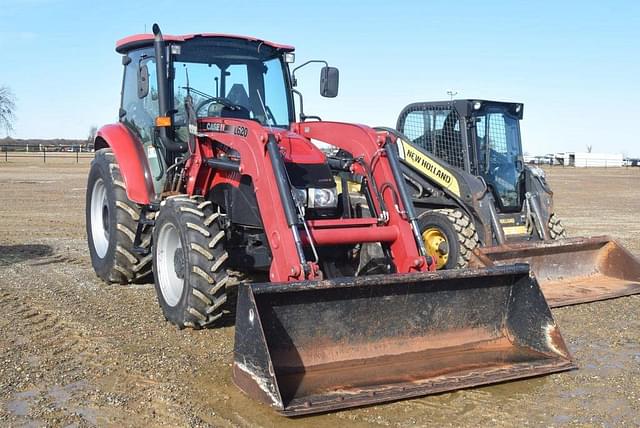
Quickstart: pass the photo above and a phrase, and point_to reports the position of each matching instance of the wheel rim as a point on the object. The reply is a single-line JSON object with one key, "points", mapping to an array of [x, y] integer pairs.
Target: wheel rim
{"points": [[437, 246], [100, 215], [170, 264]]}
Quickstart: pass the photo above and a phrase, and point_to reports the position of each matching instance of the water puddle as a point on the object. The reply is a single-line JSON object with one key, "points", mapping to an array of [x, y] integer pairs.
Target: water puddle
{"points": [[59, 396], [21, 403]]}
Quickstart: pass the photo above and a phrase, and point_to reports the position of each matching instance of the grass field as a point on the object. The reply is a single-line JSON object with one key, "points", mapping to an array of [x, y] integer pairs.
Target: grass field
{"points": [[76, 351]]}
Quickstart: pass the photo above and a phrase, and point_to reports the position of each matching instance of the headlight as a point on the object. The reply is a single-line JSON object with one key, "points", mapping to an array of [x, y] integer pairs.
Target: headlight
{"points": [[323, 198], [299, 196], [538, 172]]}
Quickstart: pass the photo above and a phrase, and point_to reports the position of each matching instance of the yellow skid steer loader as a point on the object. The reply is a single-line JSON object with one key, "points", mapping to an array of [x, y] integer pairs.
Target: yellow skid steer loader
{"points": [[479, 205]]}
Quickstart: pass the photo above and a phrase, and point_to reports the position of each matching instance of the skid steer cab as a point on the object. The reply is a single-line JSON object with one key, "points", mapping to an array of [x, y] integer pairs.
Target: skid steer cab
{"points": [[208, 170], [467, 155]]}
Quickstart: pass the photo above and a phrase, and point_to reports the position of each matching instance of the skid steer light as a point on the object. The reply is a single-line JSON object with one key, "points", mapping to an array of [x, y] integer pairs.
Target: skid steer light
{"points": [[538, 172], [477, 105]]}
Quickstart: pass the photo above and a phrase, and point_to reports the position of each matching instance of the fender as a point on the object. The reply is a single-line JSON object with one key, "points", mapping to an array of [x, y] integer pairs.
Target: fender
{"points": [[131, 159]]}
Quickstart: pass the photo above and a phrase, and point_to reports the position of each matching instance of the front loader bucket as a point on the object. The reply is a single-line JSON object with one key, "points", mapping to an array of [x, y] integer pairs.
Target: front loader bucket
{"points": [[317, 346], [572, 271]]}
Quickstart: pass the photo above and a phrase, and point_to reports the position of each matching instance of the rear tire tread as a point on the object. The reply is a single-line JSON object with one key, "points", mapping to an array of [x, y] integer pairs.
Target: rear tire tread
{"points": [[556, 229], [125, 266]]}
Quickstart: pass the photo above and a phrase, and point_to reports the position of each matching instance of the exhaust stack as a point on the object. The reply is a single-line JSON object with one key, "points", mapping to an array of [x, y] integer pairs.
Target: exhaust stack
{"points": [[163, 89]]}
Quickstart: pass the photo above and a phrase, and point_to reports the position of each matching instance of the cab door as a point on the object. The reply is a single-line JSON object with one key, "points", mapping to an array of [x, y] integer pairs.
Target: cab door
{"points": [[139, 108]]}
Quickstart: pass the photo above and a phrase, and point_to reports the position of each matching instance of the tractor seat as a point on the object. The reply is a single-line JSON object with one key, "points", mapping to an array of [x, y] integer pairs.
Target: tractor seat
{"points": [[238, 96]]}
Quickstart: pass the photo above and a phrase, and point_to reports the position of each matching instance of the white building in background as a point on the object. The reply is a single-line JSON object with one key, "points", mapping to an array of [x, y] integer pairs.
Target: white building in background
{"points": [[584, 159]]}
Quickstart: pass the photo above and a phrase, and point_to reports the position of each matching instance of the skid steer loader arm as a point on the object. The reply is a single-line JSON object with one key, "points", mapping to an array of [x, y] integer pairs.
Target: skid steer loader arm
{"points": [[318, 346]]}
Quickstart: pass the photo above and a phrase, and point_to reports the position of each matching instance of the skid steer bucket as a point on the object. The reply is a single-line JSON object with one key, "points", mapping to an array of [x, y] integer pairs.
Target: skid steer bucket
{"points": [[317, 346], [572, 271]]}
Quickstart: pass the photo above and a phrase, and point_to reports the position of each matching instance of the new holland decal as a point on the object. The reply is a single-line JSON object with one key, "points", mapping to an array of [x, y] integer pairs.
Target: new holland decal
{"points": [[428, 167]]}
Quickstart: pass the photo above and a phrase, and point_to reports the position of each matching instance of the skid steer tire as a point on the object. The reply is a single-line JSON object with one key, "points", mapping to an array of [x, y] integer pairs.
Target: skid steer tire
{"points": [[457, 229], [556, 229], [190, 262], [111, 220]]}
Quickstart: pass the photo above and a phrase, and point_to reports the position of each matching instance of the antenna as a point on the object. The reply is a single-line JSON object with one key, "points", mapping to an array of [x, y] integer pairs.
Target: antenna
{"points": [[452, 93], [186, 73]]}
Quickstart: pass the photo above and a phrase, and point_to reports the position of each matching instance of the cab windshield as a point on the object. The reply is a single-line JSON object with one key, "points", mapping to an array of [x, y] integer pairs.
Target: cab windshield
{"points": [[238, 79], [499, 149]]}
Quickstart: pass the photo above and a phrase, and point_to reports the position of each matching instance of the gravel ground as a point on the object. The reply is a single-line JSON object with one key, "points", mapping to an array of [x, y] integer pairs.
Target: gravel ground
{"points": [[76, 352]]}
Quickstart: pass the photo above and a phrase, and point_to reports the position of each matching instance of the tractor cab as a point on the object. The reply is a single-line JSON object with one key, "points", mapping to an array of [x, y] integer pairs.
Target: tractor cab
{"points": [[208, 75], [172, 83]]}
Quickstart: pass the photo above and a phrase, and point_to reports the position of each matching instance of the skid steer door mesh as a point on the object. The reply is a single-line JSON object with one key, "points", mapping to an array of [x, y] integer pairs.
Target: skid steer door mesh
{"points": [[436, 128]]}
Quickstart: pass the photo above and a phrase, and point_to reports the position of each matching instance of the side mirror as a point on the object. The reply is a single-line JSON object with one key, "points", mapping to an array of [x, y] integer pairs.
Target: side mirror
{"points": [[329, 77], [143, 81]]}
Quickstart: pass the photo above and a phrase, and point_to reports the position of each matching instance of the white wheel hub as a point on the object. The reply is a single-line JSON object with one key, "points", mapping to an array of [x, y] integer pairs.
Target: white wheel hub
{"points": [[100, 218], [170, 263]]}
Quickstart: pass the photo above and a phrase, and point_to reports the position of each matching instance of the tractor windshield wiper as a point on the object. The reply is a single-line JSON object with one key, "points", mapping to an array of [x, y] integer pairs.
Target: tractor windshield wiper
{"points": [[197, 92]]}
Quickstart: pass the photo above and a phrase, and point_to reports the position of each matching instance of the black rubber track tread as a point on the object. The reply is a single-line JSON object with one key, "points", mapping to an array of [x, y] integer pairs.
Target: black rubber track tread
{"points": [[122, 266], [204, 295], [556, 229]]}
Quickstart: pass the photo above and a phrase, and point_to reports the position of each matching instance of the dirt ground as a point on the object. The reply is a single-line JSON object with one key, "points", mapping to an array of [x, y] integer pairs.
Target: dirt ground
{"points": [[76, 352]]}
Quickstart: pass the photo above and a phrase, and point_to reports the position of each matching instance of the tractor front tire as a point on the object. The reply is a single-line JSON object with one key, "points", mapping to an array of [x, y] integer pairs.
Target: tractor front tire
{"points": [[556, 228], [190, 262], [111, 220], [450, 236]]}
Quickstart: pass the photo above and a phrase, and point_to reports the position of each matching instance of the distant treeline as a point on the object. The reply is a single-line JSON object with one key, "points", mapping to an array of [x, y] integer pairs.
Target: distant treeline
{"points": [[37, 142]]}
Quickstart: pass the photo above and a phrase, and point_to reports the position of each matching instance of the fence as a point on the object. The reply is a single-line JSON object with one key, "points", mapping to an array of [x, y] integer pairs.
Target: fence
{"points": [[67, 154]]}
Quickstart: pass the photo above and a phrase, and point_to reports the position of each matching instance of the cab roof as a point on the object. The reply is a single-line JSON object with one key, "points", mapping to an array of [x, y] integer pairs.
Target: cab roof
{"points": [[146, 39]]}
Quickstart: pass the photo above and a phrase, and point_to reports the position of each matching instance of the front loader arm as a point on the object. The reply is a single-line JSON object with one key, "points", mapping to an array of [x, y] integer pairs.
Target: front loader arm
{"points": [[363, 142], [250, 140]]}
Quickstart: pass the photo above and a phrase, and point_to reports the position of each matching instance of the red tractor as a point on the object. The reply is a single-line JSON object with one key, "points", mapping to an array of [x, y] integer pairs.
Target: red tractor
{"points": [[207, 169]]}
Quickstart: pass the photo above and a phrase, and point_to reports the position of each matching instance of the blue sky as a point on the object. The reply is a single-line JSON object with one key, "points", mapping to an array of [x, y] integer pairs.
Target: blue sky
{"points": [[575, 65]]}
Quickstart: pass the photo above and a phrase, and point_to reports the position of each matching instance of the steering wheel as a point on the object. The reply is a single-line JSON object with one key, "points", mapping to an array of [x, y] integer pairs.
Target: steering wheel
{"points": [[219, 100]]}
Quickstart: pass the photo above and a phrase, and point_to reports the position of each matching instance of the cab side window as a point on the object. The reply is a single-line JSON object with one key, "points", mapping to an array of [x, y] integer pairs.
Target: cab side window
{"points": [[140, 94]]}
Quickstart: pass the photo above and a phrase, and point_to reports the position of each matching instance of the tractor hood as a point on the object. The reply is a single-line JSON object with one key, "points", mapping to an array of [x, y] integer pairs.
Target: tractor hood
{"points": [[298, 149]]}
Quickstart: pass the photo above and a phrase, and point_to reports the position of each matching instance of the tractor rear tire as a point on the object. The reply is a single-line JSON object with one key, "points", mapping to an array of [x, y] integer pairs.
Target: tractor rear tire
{"points": [[111, 220], [556, 228], [454, 227], [190, 262]]}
